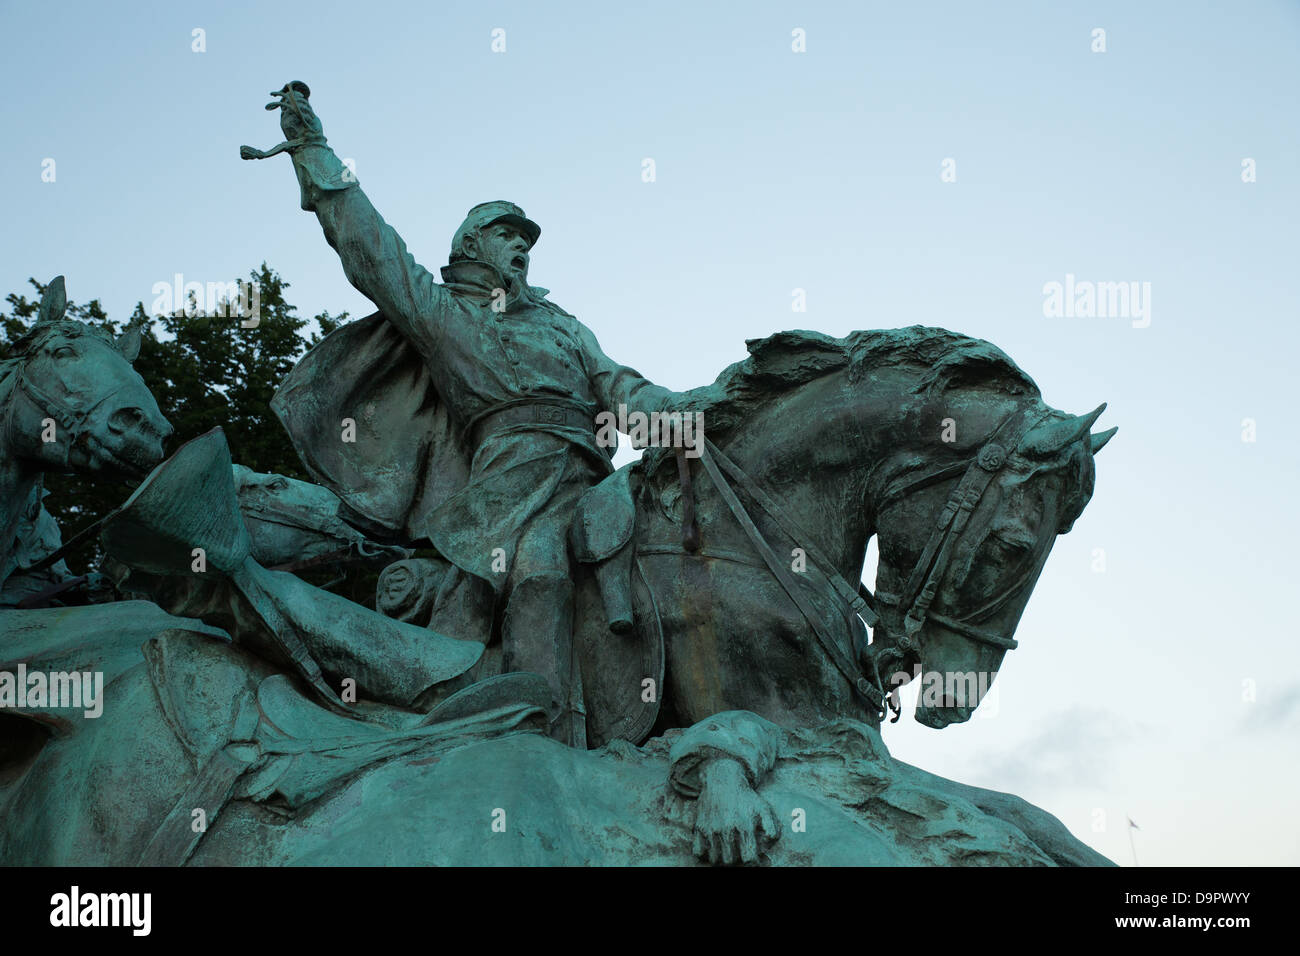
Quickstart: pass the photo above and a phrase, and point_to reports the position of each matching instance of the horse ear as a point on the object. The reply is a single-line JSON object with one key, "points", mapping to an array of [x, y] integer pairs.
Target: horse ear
{"points": [[54, 303], [1047, 440], [128, 343], [1097, 441]]}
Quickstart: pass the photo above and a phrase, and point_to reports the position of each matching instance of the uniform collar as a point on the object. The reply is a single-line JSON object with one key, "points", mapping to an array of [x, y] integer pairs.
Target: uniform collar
{"points": [[483, 277]]}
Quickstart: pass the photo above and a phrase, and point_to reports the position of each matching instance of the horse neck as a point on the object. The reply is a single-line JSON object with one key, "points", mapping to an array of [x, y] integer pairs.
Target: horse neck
{"points": [[19, 481], [20, 475], [804, 449]]}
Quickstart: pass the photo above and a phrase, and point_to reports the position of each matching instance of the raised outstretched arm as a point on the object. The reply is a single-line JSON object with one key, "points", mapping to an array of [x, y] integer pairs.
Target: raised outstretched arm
{"points": [[375, 259]]}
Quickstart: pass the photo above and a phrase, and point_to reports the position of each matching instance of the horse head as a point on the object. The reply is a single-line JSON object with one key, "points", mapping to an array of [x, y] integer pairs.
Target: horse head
{"points": [[74, 401], [935, 443], [296, 522], [963, 541]]}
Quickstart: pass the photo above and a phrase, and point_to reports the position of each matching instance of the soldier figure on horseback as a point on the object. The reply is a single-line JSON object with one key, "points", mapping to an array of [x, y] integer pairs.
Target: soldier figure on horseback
{"points": [[521, 380]]}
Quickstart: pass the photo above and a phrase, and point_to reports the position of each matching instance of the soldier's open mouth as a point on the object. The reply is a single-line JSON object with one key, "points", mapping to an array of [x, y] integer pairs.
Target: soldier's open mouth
{"points": [[519, 262]]}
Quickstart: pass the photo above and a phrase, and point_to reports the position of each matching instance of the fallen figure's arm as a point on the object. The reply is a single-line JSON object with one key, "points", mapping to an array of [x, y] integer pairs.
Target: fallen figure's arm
{"points": [[715, 770], [718, 767]]}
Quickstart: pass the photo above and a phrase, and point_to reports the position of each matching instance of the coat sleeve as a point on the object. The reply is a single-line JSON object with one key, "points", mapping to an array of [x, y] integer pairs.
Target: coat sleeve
{"points": [[616, 384], [375, 259], [752, 741]]}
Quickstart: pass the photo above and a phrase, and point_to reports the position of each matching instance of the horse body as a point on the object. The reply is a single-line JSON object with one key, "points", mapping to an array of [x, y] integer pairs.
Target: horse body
{"points": [[733, 637], [866, 436]]}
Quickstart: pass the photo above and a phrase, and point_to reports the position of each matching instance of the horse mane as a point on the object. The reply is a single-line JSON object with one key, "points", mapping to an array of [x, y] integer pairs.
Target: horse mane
{"points": [[787, 360], [8, 377], [38, 333]]}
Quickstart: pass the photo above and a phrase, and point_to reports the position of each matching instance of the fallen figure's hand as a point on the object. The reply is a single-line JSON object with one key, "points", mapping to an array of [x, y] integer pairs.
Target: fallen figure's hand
{"points": [[733, 824]]}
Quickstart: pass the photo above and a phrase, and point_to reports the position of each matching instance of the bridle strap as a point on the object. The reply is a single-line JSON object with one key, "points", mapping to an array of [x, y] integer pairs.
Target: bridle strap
{"points": [[871, 694], [964, 628], [70, 420], [916, 484], [932, 566], [927, 576], [858, 599]]}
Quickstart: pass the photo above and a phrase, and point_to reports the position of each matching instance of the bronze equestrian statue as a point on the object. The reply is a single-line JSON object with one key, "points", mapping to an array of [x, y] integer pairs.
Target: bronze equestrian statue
{"points": [[693, 624]]}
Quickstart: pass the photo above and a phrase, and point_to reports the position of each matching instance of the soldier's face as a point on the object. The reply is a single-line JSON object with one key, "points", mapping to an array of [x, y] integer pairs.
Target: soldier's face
{"points": [[503, 246]]}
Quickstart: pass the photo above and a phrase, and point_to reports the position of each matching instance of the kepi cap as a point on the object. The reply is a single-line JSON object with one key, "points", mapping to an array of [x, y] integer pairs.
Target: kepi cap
{"points": [[498, 210]]}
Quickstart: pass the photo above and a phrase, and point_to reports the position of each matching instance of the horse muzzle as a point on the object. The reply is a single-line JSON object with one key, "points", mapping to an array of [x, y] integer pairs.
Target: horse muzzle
{"points": [[129, 442], [938, 718]]}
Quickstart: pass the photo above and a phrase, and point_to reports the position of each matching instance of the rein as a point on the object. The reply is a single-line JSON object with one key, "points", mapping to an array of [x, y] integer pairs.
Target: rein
{"points": [[932, 566], [869, 690], [923, 583]]}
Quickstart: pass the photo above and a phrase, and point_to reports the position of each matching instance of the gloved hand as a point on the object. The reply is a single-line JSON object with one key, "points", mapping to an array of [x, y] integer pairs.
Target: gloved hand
{"points": [[297, 119]]}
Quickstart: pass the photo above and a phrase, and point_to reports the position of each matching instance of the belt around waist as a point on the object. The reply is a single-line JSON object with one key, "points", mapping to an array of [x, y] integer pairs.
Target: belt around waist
{"points": [[542, 413]]}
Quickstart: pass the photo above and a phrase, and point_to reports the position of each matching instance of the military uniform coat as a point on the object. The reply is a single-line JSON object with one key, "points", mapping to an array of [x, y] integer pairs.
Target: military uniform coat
{"points": [[417, 376]]}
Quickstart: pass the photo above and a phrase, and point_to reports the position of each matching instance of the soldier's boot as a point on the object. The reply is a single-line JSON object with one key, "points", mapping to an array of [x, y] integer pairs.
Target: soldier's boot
{"points": [[537, 636]]}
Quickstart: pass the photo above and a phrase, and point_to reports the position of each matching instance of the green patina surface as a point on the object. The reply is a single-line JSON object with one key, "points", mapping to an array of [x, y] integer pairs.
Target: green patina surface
{"points": [[663, 665]]}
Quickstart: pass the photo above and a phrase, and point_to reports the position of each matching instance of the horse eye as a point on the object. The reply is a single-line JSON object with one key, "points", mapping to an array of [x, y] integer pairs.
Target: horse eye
{"points": [[1017, 542], [64, 351]]}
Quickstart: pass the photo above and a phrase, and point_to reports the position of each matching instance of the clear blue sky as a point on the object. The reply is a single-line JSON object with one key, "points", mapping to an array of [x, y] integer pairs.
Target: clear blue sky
{"points": [[821, 171]]}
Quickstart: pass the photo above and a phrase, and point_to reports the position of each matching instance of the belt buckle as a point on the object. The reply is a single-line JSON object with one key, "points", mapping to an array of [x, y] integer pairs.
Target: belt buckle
{"points": [[553, 414]]}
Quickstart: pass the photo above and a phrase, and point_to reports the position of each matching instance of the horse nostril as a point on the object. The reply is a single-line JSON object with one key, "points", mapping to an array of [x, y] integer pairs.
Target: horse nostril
{"points": [[125, 418]]}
